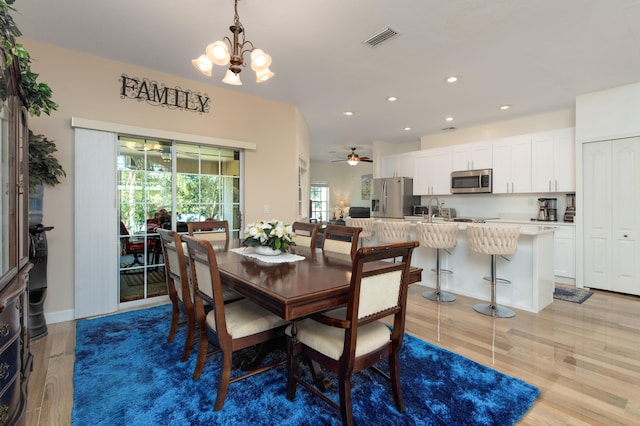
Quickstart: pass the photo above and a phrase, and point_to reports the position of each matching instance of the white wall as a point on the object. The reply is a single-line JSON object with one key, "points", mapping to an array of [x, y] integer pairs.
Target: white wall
{"points": [[343, 180]]}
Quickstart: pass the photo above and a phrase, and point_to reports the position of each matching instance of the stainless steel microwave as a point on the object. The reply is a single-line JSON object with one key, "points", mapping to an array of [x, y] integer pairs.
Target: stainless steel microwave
{"points": [[472, 181]]}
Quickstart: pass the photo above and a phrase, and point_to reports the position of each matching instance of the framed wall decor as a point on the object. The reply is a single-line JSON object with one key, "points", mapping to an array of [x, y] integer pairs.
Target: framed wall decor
{"points": [[365, 186]]}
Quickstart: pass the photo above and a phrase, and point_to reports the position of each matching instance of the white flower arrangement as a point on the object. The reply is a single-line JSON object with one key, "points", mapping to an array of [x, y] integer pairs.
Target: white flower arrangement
{"points": [[274, 234]]}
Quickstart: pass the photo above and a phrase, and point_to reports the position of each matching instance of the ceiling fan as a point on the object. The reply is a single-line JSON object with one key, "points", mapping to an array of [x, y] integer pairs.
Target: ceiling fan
{"points": [[353, 158]]}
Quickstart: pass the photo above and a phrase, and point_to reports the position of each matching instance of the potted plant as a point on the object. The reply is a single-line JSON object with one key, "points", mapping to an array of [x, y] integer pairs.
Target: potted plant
{"points": [[44, 168]]}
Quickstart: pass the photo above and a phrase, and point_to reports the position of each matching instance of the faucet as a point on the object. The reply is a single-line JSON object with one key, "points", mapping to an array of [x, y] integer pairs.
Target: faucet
{"points": [[431, 206]]}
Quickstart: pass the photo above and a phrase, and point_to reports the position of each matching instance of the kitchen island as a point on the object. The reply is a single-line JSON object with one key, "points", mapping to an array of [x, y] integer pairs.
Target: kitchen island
{"points": [[530, 269]]}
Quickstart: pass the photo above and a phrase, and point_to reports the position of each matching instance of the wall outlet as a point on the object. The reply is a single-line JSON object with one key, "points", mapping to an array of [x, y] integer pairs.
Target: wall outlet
{"points": [[265, 208]]}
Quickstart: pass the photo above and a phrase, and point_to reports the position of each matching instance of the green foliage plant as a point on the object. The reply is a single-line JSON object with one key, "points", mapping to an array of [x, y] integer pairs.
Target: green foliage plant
{"points": [[44, 168]]}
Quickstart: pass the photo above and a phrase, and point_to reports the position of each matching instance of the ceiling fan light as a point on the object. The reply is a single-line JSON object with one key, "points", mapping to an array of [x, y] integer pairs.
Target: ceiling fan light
{"points": [[232, 78], [353, 159], [203, 64], [218, 52], [353, 162], [264, 75]]}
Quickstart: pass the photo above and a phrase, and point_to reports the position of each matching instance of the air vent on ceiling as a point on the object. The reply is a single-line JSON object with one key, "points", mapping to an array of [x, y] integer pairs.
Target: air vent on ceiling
{"points": [[381, 37], [448, 129]]}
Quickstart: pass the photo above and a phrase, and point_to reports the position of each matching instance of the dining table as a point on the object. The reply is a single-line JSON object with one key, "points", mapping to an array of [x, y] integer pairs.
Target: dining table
{"points": [[290, 289], [293, 286]]}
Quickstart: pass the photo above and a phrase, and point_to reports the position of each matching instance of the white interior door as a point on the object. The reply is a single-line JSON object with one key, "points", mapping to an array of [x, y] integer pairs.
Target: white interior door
{"points": [[625, 212], [597, 214], [96, 223]]}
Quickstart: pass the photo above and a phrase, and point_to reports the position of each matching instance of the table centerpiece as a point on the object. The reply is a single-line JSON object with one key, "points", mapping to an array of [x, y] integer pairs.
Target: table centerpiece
{"points": [[269, 238]]}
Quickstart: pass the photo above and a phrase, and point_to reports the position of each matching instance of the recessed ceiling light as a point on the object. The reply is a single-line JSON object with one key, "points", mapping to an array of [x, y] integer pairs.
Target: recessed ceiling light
{"points": [[348, 113], [449, 119], [505, 106], [392, 99], [451, 79], [407, 128]]}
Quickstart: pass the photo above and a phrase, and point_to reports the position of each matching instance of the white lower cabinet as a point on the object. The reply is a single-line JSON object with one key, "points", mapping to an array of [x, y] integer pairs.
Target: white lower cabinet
{"points": [[565, 254]]}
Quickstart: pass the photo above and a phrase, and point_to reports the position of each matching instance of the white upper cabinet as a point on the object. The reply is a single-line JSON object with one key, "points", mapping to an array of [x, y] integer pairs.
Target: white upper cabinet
{"points": [[397, 165], [472, 156], [432, 172], [553, 161], [512, 165]]}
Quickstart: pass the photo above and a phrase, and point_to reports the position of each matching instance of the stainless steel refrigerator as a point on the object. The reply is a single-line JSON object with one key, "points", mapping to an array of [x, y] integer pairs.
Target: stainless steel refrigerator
{"points": [[392, 197]]}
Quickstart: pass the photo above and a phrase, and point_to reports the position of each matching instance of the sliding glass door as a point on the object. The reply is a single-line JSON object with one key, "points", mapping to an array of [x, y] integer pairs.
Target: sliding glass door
{"points": [[168, 184]]}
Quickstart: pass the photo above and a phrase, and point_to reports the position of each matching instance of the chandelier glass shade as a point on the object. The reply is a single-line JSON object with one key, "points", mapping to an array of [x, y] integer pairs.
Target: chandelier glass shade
{"points": [[227, 51]]}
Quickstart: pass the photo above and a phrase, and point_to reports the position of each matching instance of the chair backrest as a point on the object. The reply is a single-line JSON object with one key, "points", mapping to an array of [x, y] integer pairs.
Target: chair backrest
{"points": [[437, 235], [365, 223], [380, 291], [212, 230], [493, 239], [393, 232], [175, 267], [305, 235], [207, 284], [340, 241]]}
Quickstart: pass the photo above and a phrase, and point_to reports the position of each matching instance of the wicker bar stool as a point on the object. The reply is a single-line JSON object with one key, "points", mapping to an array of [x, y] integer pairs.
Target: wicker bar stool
{"points": [[393, 232], [494, 240], [366, 223], [438, 236]]}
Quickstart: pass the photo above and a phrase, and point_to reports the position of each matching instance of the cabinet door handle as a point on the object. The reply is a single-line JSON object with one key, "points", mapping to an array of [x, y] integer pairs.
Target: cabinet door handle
{"points": [[549, 186], [556, 185]]}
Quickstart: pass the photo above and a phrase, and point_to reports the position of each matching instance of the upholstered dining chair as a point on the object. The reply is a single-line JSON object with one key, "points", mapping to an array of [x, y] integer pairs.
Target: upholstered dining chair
{"points": [[366, 223], [179, 287], [351, 339], [231, 326], [305, 235], [340, 241], [212, 230]]}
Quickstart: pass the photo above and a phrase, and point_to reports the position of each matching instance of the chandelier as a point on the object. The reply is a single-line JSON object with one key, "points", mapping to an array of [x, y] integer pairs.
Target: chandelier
{"points": [[227, 51]]}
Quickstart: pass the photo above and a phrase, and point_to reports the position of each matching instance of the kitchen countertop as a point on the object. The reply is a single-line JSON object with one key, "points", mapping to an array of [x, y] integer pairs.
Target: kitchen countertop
{"points": [[531, 228]]}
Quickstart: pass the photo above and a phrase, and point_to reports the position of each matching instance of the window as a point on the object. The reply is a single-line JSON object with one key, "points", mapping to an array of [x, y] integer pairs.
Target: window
{"points": [[167, 184], [319, 210]]}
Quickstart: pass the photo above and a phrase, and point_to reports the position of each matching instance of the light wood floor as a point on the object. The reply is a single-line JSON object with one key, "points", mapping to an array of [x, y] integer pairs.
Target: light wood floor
{"points": [[584, 358]]}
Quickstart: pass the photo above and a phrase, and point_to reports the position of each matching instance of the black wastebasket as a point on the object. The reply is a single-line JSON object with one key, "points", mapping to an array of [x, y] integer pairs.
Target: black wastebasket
{"points": [[37, 288]]}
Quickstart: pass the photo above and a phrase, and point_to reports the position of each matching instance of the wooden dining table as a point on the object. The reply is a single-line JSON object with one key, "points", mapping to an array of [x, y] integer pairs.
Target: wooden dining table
{"points": [[291, 290]]}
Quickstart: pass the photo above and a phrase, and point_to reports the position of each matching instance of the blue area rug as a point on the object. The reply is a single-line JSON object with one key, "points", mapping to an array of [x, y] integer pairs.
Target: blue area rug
{"points": [[126, 374]]}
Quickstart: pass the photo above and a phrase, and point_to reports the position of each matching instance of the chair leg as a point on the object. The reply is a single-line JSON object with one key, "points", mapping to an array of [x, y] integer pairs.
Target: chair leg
{"points": [[188, 341], [394, 370], [175, 317], [202, 352], [225, 374], [345, 398]]}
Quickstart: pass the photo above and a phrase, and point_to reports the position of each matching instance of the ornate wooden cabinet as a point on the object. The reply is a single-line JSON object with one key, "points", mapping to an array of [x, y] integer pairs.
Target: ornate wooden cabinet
{"points": [[15, 356]]}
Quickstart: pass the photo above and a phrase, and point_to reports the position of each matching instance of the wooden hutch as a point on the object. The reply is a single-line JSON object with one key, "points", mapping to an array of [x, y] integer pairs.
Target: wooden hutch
{"points": [[15, 356]]}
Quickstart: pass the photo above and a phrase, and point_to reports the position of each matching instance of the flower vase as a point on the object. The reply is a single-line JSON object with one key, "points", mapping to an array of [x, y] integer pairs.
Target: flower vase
{"points": [[267, 251]]}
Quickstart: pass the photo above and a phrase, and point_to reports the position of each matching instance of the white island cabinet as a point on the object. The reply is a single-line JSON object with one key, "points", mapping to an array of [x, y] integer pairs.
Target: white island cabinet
{"points": [[530, 269]]}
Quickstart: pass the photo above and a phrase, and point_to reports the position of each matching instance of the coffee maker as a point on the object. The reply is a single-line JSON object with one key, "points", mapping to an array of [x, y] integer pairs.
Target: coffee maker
{"points": [[548, 209], [570, 212]]}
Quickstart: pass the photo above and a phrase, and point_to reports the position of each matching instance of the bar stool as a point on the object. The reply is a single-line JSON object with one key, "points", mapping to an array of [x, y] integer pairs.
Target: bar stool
{"points": [[366, 223], [494, 240], [393, 232], [438, 236]]}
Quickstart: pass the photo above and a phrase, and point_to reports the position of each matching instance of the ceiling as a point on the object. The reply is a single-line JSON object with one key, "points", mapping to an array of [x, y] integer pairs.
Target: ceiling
{"points": [[534, 55]]}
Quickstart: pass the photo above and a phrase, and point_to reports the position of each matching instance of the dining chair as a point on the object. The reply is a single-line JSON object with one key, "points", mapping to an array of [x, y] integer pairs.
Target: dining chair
{"points": [[212, 230], [340, 241], [231, 326], [305, 235], [136, 246], [351, 339], [179, 287]]}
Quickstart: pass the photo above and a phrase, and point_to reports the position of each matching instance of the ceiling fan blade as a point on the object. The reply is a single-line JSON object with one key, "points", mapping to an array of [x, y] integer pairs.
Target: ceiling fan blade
{"points": [[366, 160]]}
